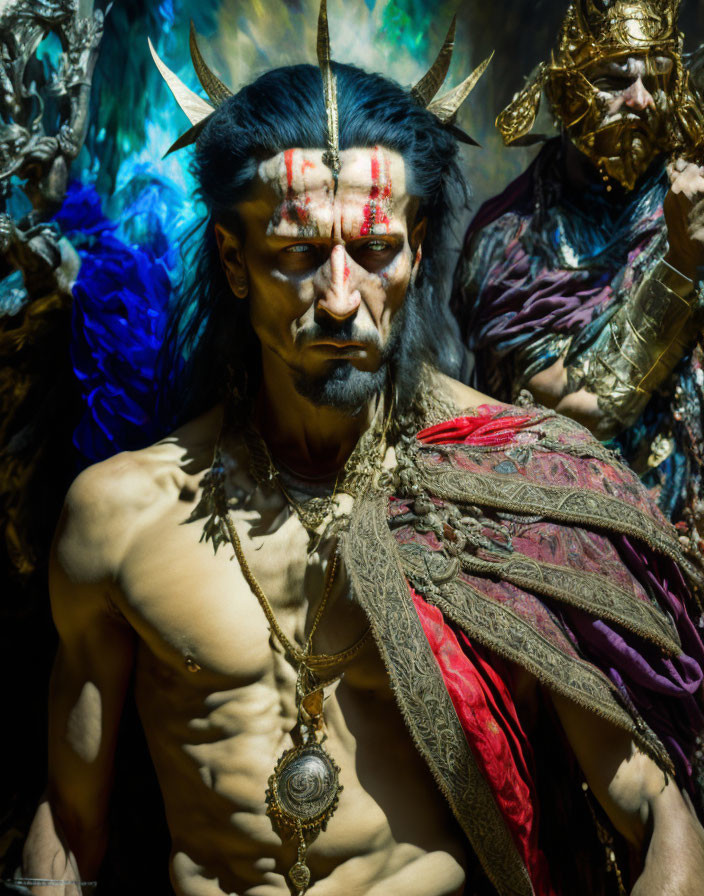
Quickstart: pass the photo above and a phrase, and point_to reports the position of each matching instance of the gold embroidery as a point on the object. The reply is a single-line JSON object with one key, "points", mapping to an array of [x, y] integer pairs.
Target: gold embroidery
{"points": [[579, 506], [378, 584], [588, 591], [500, 629]]}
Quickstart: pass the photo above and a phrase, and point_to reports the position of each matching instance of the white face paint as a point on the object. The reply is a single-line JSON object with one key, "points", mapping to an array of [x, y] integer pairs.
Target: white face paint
{"points": [[632, 87], [371, 196], [328, 269]]}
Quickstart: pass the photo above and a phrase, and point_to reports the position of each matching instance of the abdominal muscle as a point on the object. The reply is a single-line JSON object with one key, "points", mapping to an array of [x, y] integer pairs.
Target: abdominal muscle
{"points": [[214, 748]]}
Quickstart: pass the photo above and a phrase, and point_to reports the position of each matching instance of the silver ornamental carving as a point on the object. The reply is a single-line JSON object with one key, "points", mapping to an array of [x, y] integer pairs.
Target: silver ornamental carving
{"points": [[302, 796], [304, 788], [37, 265]]}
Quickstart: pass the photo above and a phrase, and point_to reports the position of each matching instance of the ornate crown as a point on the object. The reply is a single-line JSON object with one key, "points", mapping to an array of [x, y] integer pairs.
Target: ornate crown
{"points": [[444, 108], [598, 29]]}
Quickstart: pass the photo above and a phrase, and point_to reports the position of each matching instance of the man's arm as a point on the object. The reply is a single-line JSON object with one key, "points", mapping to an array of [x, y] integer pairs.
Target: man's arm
{"points": [[88, 684], [607, 387], [647, 810]]}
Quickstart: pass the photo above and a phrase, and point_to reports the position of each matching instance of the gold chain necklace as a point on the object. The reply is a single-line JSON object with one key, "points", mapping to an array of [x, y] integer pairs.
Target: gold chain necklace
{"points": [[304, 787], [354, 478]]}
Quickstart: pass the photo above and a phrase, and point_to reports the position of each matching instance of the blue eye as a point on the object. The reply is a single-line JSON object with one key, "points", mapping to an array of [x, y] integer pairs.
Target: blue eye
{"points": [[299, 247]]}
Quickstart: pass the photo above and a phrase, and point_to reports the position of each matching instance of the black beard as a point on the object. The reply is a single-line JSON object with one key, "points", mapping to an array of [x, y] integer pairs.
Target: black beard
{"points": [[350, 390], [343, 387]]}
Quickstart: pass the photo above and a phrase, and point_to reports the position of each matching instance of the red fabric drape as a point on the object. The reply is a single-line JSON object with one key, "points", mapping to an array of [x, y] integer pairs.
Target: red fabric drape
{"points": [[479, 693], [487, 713]]}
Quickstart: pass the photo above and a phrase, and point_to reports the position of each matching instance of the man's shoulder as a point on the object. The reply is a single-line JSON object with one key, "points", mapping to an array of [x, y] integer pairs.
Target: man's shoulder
{"points": [[457, 399], [108, 502], [460, 415], [135, 478], [533, 460], [123, 482], [456, 394], [508, 212], [554, 432]]}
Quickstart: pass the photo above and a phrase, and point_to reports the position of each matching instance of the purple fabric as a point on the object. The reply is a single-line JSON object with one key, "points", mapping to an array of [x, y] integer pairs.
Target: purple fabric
{"points": [[665, 577], [665, 691], [513, 299], [516, 300], [640, 670], [522, 288]]}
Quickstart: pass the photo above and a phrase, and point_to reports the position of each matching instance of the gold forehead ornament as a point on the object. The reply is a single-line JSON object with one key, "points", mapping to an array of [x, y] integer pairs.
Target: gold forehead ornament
{"points": [[198, 110]]}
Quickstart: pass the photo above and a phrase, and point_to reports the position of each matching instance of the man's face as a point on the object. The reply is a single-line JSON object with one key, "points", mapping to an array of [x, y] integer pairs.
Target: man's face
{"points": [[326, 270], [631, 89], [619, 119]]}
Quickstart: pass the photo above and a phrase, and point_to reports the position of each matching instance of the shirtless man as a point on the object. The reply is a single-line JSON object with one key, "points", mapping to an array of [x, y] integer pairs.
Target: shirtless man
{"points": [[332, 271]]}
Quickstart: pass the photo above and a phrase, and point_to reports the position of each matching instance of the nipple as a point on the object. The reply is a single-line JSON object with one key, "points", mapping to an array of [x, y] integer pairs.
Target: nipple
{"points": [[191, 664]]}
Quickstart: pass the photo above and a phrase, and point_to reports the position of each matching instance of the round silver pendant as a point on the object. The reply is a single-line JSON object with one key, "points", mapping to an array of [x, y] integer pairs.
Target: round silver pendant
{"points": [[304, 788]]}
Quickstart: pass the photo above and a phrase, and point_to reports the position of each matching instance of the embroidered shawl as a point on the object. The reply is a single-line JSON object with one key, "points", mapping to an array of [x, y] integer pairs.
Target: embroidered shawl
{"points": [[515, 536]]}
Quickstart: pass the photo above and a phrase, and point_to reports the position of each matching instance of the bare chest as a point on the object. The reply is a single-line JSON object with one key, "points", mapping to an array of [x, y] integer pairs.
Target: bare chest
{"points": [[195, 609], [217, 699]]}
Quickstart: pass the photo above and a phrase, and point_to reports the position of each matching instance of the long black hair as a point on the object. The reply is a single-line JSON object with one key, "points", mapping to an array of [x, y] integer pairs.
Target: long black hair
{"points": [[210, 341]]}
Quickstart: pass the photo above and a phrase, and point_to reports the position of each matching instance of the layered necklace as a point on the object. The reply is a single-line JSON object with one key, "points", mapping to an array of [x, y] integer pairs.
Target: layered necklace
{"points": [[304, 788], [360, 471]]}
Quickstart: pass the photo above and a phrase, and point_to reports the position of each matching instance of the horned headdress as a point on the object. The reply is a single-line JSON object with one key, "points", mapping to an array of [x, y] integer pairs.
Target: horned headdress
{"points": [[444, 107]]}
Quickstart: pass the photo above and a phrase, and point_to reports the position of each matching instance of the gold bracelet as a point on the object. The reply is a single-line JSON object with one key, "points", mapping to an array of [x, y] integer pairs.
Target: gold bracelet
{"points": [[639, 347]]}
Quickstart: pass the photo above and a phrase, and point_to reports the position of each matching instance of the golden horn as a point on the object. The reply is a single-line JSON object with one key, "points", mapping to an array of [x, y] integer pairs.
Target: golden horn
{"points": [[445, 107], [425, 89], [211, 84], [323, 40], [331, 156], [196, 109]]}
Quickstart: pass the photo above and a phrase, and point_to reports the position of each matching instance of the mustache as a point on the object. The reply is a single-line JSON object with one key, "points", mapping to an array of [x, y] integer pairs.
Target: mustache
{"points": [[647, 118], [346, 330]]}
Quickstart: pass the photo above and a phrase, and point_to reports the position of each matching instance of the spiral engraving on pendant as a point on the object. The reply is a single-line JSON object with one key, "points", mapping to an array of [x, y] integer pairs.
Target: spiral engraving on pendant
{"points": [[307, 785]]}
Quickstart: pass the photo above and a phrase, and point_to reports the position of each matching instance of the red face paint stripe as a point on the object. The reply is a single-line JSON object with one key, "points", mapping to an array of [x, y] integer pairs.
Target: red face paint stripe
{"points": [[379, 196], [288, 161], [295, 208]]}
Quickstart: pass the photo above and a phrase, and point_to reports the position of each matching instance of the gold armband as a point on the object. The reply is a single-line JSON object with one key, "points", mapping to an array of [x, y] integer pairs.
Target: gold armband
{"points": [[673, 280], [639, 347]]}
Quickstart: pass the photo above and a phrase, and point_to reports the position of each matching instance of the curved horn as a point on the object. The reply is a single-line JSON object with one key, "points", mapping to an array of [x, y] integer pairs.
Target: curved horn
{"points": [[196, 109], [425, 89], [187, 138], [445, 107], [211, 84]]}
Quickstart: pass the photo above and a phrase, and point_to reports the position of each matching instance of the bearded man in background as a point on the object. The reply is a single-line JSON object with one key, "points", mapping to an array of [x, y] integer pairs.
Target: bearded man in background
{"points": [[581, 282], [443, 629]]}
